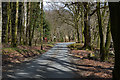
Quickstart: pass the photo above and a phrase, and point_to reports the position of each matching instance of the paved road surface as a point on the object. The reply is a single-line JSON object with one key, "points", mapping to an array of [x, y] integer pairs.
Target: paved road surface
{"points": [[53, 64]]}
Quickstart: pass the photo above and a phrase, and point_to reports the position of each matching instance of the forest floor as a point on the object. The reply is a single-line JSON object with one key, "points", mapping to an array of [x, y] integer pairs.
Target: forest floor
{"points": [[14, 56], [91, 68]]}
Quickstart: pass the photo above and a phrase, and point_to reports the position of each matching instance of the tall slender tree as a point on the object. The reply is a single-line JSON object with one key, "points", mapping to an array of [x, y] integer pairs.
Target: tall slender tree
{"points": [[21, 22], [102, 46], [28, 21], [8, 19], [10, 23], [30, 24], [4, 20], [25, 22], [14, 28], [41, 25]]}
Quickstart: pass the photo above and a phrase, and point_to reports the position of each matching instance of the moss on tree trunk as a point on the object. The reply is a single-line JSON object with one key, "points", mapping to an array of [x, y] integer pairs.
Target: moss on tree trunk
{"points": [[87, 33], [108, 40], [102, 44], [14, 28], [8, 19]]}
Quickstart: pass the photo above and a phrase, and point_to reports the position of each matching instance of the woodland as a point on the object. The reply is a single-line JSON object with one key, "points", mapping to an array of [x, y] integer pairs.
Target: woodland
{"points": [[32, 28]]}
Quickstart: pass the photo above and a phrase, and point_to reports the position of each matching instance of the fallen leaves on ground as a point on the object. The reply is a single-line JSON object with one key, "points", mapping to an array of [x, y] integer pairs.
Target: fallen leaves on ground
{"points": [[21, 53], [91, 68], [14, 56]]}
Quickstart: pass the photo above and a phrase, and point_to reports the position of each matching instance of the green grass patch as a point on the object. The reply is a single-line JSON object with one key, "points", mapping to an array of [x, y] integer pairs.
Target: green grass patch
{"points": [[10, 48]]}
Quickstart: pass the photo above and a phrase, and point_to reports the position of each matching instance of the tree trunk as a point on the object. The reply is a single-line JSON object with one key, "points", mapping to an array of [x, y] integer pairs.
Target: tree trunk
{"points": [[32, 34], [1, 36], [4, 18], [83, 34], [25, 21], [21, 24], [87, 33], [115, 30], [82, 24], [8, 19], [10, 25], [14, 29], [98, 41], [102, 45], [41, 25], [108, 40], [0, 27], [28, 21], [30, 25], [78, 34]]}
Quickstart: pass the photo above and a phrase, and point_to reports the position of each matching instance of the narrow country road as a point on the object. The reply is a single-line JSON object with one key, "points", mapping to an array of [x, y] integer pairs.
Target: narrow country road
{"points": [[53, 64]]}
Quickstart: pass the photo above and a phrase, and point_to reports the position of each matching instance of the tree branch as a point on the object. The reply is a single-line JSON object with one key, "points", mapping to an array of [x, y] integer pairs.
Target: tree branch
{"points": [[98, 9]]}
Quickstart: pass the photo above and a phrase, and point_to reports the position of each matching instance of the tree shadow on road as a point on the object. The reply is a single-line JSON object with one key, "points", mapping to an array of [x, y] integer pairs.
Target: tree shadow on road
{"points": [[37, 70]]}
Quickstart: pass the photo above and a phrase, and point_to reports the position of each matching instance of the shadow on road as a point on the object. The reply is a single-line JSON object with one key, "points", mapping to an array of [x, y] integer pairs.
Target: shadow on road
{"points": [[37, 68]]}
